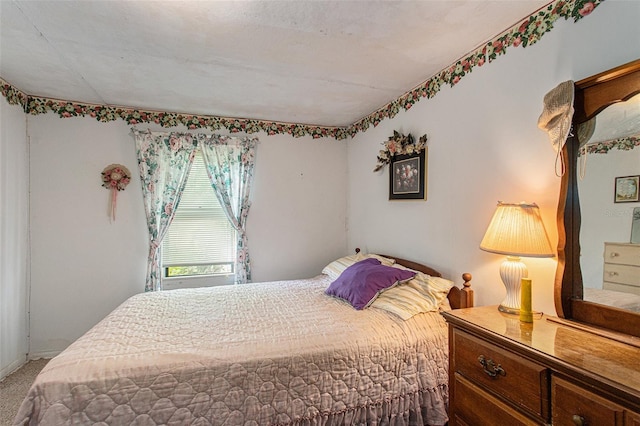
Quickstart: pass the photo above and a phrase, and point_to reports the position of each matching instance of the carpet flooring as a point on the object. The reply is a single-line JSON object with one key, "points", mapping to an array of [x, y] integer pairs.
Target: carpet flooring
{"points": [[14, 388]]}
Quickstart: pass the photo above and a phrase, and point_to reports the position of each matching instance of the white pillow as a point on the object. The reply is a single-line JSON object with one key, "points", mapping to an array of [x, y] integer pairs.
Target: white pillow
{"points": [[423, 293], [335, 268]]}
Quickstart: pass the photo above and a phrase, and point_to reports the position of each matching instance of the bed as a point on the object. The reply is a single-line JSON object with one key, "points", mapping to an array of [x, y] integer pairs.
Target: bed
{"points": [[616, 299], [279, 353]]}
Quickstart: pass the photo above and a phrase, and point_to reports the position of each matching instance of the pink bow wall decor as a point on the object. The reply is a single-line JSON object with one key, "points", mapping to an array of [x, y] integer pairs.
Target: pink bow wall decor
{"points": [[115, 177]]}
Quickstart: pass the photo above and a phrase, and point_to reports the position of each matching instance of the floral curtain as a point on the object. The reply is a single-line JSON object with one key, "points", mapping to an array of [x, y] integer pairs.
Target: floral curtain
{"points": [[230, 163], [164, 161]]}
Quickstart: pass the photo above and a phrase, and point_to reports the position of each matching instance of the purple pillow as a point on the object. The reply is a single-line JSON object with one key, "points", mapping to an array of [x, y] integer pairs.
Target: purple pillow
{"points": [[362, 282]]}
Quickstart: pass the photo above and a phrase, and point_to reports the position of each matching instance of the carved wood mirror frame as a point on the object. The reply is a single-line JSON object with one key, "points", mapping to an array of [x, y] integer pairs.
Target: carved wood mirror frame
{"points": [[592, 95]]}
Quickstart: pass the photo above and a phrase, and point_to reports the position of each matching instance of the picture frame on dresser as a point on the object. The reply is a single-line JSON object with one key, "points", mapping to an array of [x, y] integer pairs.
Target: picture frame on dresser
{"points": [[635, 226], [408, 176]]}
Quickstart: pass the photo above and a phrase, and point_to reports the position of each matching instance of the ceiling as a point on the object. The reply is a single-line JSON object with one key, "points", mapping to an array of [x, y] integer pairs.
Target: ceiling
{"points": [[617, 121], [326, 63]]}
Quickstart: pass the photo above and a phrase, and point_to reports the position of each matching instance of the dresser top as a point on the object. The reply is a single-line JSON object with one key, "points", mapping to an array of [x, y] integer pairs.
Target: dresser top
{"points": [[563, 347], [608, 243]]}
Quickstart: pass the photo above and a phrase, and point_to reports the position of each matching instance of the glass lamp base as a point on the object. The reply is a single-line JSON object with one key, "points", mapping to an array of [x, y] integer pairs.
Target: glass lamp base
{"points": [[512, 311], [508, 310]]}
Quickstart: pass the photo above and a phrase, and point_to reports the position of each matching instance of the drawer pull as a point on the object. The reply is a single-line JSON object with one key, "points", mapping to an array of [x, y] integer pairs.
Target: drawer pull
{"points": [[490, 367], [613, 274], [578, 420], [614, 254]]}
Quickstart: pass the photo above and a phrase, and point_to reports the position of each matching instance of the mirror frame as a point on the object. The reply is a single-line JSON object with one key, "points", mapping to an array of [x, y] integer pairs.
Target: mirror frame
{"points": [[592, 95]]}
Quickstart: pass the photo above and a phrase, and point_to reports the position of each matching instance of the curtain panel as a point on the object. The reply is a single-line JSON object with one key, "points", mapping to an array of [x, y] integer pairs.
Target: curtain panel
{"points": [[230, 163], [164, 162]]}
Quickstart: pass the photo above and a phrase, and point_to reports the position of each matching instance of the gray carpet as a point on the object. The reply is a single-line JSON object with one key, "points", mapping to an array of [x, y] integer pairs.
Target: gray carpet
{"points": [[14, 388]]}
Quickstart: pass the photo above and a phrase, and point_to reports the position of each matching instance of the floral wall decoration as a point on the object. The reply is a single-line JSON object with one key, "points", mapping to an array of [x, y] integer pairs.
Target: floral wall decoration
{"points": [[525, 33], [623, 144], [115, 177], [399, 144]]}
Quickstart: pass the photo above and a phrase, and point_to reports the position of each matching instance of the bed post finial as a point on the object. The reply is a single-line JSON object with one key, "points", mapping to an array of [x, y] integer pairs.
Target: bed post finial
{"points": [[466, 278], [466, 290]]}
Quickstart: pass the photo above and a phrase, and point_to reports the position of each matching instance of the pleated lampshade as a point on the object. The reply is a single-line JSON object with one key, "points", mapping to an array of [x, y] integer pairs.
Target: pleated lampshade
{"points": [[517, 230]]}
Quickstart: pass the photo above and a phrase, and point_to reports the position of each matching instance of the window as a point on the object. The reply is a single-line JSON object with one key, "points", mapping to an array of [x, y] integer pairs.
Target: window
{"points": [[200, 240]]}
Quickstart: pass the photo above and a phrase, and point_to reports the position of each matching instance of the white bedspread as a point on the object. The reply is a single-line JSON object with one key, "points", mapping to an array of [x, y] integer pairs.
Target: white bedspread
{"points": [[255, 354], [617, 299]]}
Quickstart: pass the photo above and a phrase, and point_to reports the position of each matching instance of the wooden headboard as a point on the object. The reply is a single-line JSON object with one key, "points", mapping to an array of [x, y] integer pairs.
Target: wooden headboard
{"points": [[459, 298]]}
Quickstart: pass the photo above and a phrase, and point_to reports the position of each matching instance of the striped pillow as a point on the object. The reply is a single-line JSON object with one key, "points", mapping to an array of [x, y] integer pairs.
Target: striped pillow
{"points": [[423, 293], [337, 267]]}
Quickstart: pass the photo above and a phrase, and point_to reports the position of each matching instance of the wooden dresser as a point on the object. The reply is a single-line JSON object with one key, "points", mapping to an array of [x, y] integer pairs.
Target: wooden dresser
{"points": [[504, 372], [622, 267]]}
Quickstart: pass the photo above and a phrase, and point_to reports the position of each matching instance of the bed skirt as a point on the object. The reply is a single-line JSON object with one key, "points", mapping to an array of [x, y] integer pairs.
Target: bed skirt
{"points": [[399, 411]]}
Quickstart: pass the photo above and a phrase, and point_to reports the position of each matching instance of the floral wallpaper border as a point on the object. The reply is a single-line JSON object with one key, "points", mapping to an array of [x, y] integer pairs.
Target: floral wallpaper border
{"points": [[526, 33], [622, 144], [105, 113]]}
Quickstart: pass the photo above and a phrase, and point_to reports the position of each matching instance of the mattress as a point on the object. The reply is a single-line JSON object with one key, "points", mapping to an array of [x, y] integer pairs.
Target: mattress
{"points": [[279, 353]]}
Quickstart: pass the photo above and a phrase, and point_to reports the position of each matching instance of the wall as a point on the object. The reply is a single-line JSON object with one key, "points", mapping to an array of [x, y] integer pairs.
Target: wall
{"points": [[484, 146], [14, 237], [83, 266], [602, 219]]}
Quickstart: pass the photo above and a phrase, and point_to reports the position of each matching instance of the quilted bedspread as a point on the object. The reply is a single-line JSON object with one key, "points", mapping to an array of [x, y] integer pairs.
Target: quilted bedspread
{"points": [[280, 353]]}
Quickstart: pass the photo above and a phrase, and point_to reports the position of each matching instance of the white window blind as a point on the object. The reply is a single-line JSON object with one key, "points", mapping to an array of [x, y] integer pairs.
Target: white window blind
{"points": [[200, 233]]}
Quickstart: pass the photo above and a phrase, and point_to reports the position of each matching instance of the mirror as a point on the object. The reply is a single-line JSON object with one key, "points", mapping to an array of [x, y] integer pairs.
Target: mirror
{"points": [[609, 154], [587, 217]]}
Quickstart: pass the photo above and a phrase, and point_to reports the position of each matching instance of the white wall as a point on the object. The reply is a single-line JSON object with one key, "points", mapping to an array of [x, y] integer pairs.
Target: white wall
{"points": [[83, 266], [602, 219], [484, 146], [14, 237], [297, 222]]}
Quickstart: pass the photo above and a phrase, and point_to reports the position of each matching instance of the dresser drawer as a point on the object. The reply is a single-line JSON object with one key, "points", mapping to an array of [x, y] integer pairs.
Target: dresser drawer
{"points": [[573, 405], [476, 407], [522, 382], [622, 274], [623, 254]]}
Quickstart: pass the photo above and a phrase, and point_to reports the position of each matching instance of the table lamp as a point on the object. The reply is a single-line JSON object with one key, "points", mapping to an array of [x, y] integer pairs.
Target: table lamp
{"points": [[516, 230]]}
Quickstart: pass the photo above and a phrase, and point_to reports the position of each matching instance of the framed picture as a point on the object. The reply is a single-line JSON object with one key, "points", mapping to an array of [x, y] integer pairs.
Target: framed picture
{"points": [[627, 189], [635, 226], [408, 177]]}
